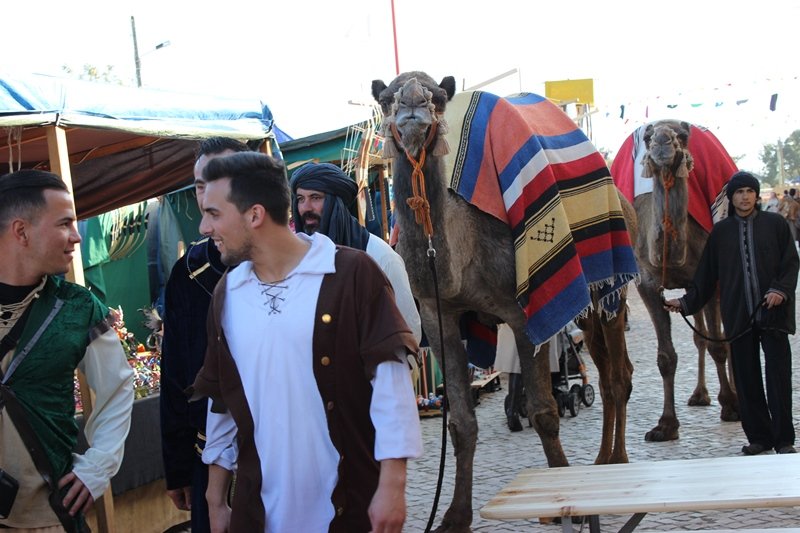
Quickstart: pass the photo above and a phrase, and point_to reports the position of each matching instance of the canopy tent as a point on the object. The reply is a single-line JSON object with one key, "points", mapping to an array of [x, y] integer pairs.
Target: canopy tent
{"points": [[121, 145], [115, 146]]}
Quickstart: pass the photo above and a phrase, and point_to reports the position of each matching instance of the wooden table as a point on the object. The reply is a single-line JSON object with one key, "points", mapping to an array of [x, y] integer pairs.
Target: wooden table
{"points": [[639, 488]]}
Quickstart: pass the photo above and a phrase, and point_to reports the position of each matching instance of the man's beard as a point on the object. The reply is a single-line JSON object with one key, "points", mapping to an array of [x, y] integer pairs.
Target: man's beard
{"points": [[234, 257], [315, 220]]}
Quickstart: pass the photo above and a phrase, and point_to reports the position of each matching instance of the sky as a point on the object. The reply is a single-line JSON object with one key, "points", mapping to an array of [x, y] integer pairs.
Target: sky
{"points": [[712, 63]]}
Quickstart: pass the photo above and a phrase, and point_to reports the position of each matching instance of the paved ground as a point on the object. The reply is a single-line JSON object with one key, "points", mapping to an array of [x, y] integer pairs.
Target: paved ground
{"points": [[501, 454]]}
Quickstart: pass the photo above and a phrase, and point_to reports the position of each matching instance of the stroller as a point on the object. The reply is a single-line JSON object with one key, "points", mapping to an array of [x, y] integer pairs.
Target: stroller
{"points": [[568, 346]]}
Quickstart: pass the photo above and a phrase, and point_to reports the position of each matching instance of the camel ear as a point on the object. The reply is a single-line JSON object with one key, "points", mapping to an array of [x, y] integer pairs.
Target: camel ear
{"points": [[684, 133], [648, 135], [377, 88], [449, 86]]}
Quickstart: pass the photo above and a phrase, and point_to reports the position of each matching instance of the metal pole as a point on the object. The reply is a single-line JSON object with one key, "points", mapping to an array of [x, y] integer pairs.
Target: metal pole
{"points": [[136, 59], [394, 33]]}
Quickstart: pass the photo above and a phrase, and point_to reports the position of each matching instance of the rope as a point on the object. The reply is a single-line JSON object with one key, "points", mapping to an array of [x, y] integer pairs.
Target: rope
{"points": [[669, 227], [419, 201]]}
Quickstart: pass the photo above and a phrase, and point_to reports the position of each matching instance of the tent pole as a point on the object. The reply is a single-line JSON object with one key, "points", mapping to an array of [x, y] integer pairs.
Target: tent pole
{"points": [[59, 164]]}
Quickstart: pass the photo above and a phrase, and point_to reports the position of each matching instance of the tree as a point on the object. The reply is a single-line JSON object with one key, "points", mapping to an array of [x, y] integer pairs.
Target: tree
{"points": [[787, 152], [92, 73]]}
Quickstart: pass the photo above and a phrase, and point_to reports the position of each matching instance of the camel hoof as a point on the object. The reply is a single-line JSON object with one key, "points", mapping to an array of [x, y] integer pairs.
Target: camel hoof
{"points": [[728, 414], [700, 397], [658, 434]]}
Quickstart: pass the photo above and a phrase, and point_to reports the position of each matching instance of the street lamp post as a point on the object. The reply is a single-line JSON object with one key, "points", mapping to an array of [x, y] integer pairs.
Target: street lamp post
{"points": [[136, 57]]}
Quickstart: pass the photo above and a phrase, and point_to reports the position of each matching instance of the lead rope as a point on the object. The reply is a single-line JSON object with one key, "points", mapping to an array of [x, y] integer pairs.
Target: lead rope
{"points": [[422, 215]]}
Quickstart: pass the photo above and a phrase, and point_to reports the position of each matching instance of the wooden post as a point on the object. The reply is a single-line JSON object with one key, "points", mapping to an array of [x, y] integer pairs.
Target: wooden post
{"points": [[59, 164], [384, 204]]}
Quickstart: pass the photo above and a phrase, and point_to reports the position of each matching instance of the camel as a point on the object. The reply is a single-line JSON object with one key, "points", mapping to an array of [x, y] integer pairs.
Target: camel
{"points": [[671, 265], [474, 262]]}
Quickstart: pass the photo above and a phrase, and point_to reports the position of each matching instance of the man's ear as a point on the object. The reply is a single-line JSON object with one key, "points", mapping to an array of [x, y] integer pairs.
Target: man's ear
{"points": [[19, 228], [256, 215]]}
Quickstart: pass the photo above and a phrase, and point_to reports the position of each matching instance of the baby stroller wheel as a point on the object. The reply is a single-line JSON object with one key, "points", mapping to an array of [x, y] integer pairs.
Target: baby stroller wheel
{"points": [[561, 400], [574, 404], [576, 390], [587, 395]]}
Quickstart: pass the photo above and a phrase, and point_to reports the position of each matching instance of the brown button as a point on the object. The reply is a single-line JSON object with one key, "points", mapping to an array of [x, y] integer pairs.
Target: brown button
{"points": [[326, 318], [329, 405], [339, 511], [325, 360]]}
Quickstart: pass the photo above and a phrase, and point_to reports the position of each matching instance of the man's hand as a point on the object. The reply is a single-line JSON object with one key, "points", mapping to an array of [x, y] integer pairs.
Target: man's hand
{"points": [[674, 305], [219, 517], [182, 498], [773, 299], [78, 498], [387, 511]]}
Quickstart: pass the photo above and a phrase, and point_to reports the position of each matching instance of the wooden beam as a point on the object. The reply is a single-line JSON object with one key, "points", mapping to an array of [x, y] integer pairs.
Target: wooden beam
{"points": [[59, 164]]}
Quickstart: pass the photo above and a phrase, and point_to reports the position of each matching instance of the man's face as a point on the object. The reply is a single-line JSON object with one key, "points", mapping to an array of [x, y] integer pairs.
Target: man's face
{"points": [[744, 201], [309, 208], [199, 182], [53, 236], [224, 224]]}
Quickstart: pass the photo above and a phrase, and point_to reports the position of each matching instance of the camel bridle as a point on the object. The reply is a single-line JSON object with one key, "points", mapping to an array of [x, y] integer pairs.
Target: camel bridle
{"points": [[668, 226], [419, 201]]}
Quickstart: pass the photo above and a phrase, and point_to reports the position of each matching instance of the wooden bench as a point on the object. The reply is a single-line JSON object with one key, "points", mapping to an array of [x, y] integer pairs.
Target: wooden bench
{"points": [[636, 489]]}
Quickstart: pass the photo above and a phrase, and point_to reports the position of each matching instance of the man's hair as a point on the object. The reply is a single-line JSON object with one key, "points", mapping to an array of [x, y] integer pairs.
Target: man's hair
{"points": [[22, 194], [255, 178], [217, 145]]}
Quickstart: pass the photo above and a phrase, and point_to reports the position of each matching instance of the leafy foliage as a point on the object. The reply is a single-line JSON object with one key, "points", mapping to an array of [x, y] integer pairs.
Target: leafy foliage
{"points": [[786, 154]]}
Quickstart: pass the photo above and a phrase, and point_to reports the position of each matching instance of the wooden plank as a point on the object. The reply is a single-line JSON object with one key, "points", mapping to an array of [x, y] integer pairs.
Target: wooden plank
{"points": [[663, 486], [480, 383]]}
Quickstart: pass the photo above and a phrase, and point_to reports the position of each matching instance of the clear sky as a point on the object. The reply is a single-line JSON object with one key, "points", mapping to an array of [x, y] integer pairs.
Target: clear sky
{"points": [[714, 63]]}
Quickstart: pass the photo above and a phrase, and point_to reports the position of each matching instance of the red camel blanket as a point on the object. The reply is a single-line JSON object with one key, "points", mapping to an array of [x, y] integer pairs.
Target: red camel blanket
{"points": [[713, 167], [524, 161]]}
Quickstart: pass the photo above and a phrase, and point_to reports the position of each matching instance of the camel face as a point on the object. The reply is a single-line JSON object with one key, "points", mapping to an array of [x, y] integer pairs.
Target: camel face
{"points": [[412, 102], [663, 145]]}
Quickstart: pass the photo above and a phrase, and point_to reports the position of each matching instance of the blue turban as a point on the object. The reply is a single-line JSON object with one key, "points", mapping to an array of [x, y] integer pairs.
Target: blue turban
{"points": [[340, 192]]}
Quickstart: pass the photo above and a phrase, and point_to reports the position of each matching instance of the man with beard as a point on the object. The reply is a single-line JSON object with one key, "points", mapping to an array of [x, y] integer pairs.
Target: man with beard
{"points": [[322, 193], [306, 366]]}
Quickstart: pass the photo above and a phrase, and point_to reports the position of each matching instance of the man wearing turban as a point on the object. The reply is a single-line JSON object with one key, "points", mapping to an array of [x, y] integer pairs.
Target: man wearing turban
{"points": [[752, 256], [321, 195]]}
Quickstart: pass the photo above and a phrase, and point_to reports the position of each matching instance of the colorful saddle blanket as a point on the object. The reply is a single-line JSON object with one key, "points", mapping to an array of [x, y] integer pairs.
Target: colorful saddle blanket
{"points": [[524, 161]]}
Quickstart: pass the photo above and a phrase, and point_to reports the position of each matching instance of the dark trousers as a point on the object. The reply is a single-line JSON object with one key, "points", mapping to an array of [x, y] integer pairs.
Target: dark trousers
{"points": [[199, 504], [766, 420]]}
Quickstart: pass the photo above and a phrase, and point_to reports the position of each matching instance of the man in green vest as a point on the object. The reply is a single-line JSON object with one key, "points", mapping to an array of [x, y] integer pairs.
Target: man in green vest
{"points": [[48, 328]]}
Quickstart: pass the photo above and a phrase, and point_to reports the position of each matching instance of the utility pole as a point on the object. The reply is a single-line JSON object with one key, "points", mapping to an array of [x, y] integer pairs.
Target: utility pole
{"points": [[780, 164], [136, 58]]}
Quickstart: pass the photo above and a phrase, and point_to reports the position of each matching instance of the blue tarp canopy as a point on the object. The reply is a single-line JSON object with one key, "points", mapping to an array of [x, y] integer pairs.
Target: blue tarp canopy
{"points": [[124, 144]]}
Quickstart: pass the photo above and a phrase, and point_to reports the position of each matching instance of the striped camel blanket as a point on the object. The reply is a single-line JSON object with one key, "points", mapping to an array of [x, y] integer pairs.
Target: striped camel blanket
{"points": [[524, 161]]}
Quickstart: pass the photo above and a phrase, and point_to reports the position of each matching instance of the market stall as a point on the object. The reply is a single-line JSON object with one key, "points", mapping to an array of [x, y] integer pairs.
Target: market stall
{"points": [[115, 146]]}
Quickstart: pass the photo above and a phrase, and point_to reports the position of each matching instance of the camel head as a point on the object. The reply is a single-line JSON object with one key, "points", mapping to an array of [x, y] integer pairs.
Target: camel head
{"points": [[412, 104], [667, 152], [668, 162]]}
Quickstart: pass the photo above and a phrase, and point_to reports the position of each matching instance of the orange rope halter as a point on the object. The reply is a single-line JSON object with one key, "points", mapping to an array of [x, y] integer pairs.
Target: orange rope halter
{"points": [[669, 227], [419, 201]]}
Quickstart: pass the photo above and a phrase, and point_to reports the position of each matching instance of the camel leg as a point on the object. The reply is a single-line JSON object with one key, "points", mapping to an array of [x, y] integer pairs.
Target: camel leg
{"points": [[667, 359], [607, 346], [542, 408], [700, 394], [462, 424], [728, 401]]}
